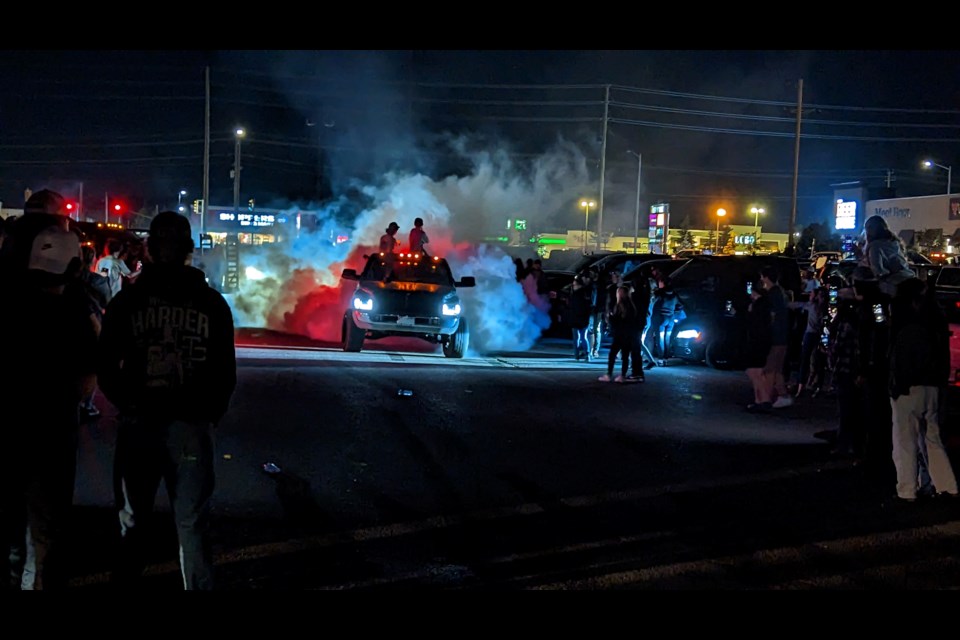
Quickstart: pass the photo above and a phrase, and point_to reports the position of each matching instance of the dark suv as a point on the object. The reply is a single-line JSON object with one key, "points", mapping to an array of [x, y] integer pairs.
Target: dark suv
{"points": [[714, 292], [410, 295]]}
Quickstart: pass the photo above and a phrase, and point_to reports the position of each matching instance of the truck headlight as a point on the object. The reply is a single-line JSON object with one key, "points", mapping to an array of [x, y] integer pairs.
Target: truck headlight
{"points": [[363, 303], [451, 306]]}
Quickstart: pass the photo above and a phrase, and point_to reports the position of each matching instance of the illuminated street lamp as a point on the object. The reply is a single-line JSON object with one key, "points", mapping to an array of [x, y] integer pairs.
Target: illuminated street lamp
{"points": [[586, 204], [720, 214], [239, 133], [180, 195], [930, 163], [756, 218]]}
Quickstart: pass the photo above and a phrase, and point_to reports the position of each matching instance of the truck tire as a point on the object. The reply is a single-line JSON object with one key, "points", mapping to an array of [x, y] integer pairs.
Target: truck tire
{"points": [[456, 345], [716, 356], [352, 335]]}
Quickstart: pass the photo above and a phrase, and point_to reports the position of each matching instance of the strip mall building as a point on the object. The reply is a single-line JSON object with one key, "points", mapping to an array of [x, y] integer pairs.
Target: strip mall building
{"points": [[906, 217]]}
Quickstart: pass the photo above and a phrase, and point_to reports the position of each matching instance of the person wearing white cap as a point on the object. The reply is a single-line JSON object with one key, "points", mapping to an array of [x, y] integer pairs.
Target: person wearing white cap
{"points": [[50, 346], [388, 241]]}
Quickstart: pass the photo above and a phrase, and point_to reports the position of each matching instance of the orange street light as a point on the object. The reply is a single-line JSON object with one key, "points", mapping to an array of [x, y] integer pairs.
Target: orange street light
{"points": [[720, 214]]}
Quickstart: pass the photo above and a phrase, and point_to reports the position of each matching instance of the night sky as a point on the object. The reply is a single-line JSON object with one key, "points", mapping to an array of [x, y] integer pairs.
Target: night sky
{"points": [[714, 128]]}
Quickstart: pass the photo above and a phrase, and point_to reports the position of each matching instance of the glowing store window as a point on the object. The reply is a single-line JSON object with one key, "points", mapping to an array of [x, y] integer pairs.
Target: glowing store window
{"points": [[846, 215]]}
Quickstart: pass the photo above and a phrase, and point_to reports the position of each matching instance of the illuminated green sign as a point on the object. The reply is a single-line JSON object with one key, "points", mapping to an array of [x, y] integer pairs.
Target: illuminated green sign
{"points": [[549, 240]]}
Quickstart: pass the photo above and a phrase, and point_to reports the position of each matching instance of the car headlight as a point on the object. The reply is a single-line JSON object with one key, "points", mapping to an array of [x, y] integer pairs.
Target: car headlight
{"points": [[363, 303], [688, 334], [451, 306]]}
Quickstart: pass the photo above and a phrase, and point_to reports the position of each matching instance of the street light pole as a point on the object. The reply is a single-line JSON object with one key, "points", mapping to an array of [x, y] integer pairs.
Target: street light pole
{"points": [[636, 215], [180, 195], [586, 204], [720, 214], [930, 163], [756, 222], [238, 133]]}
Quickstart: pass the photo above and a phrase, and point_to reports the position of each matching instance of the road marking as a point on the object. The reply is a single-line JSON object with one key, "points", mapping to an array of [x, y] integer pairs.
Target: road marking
{"points": [[699, 570], [400, 529]]}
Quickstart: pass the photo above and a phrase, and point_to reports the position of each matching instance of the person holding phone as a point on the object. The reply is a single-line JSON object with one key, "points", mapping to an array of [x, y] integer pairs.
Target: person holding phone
{"points": [[816, 310]]}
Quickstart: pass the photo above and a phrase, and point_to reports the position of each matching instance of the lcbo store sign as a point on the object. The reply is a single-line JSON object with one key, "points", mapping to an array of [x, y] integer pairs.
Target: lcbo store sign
{"points": [[249, 219]]}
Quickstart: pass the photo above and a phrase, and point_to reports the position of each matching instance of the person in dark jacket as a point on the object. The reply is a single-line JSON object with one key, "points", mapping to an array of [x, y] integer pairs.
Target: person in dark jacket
{"points": [[756, 348], [167, 361], [582, 301], [49, 353], [919, 369], [640, 292], [661, 318], [624, 319], [849, 374]]}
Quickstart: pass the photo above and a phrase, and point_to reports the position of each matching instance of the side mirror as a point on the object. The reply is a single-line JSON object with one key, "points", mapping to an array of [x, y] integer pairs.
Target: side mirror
{"points": [[467, 281], [349, 274]]}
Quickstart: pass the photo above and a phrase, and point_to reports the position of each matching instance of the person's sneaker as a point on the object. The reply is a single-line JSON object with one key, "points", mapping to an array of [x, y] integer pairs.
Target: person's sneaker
{"points": [[604, 378], [636, 378], [90, 412], [618, 379], [782, 402], [759, 407]]}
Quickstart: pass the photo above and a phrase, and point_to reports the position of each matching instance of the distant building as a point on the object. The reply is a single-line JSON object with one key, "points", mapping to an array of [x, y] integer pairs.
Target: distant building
{"points": [[741, 239], [936, 218]]}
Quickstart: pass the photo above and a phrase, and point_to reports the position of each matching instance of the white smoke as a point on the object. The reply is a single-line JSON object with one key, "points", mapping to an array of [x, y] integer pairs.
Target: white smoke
{"points": [[298, 285]]}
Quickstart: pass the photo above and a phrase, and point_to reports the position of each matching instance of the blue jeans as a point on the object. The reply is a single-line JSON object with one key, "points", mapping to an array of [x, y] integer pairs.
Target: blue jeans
{"points": [[580, 344], [181, 454], [807, 348]]}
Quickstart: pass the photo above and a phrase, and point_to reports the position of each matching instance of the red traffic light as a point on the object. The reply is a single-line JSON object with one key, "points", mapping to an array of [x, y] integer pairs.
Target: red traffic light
{"points": [[116, 207]]}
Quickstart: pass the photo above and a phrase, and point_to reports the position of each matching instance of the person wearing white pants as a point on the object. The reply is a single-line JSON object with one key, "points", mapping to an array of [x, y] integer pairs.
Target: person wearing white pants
{"points": [[916, 440], [919, 368]]}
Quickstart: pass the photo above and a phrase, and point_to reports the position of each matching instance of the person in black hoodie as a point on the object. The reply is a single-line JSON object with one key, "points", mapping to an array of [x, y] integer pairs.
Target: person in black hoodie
{"points": [[167, 361]]}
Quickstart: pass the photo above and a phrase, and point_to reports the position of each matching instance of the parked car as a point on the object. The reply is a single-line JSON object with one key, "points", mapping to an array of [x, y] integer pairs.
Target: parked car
{"points": [[622, 262], [826, 269], [570, 260], [947, 292], [714, 292]]}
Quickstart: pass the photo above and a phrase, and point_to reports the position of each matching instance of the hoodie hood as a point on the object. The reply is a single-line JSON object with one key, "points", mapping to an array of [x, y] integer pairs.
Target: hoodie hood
{"points": [[159, 275]]}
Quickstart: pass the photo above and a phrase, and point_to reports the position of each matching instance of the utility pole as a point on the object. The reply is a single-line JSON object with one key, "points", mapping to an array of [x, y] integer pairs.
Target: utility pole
{"points": [[106, 207], [796, 163], [80, 202], [603, 166], [206, 160], [890, 178]]}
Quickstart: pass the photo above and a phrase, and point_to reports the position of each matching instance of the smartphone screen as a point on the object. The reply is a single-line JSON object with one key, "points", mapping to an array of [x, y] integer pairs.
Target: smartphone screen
{"points": [[833, 295], [878, 315], [749, 288]]}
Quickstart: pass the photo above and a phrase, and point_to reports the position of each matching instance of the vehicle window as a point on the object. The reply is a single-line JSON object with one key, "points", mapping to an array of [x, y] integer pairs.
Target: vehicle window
{"points": [[949, 278], [696, 274]]}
